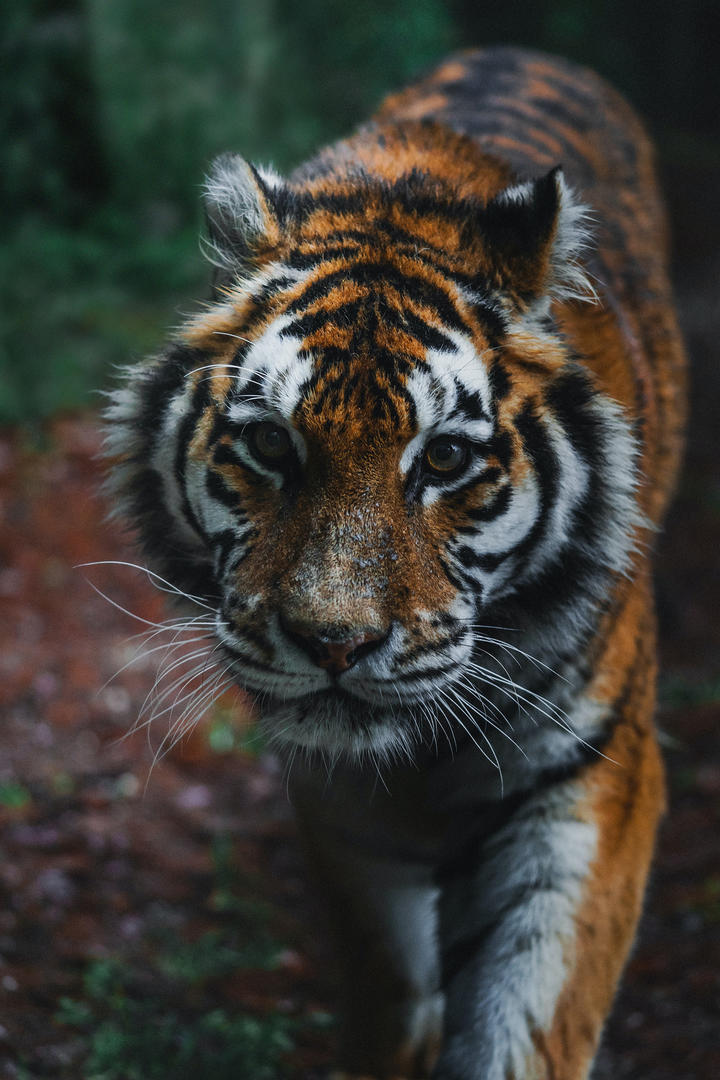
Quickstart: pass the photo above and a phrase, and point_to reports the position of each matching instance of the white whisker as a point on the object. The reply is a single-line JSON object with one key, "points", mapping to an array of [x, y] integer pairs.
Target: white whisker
{"points": [[144, 654], [154, 579]]}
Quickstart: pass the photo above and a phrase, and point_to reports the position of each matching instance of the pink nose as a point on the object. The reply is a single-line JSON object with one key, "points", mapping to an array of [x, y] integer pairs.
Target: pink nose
{"points": [[329, 653]]}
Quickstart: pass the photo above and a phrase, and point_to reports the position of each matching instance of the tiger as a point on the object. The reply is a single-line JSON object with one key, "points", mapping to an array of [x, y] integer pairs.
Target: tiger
{"points": [[413, 455]]}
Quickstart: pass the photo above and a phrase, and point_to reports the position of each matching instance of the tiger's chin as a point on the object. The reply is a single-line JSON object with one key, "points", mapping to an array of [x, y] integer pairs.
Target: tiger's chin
{"points": [[337, 724]]}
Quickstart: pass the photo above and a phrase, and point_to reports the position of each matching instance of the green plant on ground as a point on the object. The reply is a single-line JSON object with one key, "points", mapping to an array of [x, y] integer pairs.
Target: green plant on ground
{"points": [[153, 1015], [14, 796], [132, 1034]]}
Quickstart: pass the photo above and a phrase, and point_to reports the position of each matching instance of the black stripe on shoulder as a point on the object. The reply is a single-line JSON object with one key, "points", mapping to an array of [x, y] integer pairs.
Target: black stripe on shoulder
{"points": [[494, 814]]}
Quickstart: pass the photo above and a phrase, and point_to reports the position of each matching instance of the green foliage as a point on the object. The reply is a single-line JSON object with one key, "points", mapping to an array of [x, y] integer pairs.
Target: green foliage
{"points": [[326, 69], [52, 160], [224, 736], [678, 693], [78, 302], [154, 1016], [14, 796], [212, 955], [132, 1038], [234, 893]]}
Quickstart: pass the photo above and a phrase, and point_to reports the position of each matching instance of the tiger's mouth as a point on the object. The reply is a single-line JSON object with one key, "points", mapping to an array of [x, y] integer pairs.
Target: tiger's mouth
{"points": [[379, 707], [333, 721], [343, 705]]}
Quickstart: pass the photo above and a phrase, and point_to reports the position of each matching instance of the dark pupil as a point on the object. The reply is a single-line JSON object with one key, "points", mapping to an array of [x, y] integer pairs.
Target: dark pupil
{"points": [[445, 454], [271, 441]]}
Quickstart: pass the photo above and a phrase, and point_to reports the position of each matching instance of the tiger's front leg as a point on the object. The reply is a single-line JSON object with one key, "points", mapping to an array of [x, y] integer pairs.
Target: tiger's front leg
{"points": [[377, 888], [535, 929]]}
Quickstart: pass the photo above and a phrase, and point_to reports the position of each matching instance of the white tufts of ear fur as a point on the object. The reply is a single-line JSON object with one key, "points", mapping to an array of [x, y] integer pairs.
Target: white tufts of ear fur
{"points": [[567, 278], [573, 236], [239, 214]]}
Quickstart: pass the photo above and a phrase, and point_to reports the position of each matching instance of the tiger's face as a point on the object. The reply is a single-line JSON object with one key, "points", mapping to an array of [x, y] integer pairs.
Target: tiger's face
{"points": [[375, 445]]}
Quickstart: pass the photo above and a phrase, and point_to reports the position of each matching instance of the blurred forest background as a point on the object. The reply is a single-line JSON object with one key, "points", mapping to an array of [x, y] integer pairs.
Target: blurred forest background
{"points": [[166, 931], [112, 109]]}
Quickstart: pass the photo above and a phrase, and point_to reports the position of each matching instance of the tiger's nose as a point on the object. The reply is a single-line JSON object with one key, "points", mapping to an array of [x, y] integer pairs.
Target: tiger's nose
{"points": [[333, 653]]}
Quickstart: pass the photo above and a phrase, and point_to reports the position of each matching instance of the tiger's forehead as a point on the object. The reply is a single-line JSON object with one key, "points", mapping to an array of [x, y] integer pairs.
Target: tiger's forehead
{"points": [[363, 361]]}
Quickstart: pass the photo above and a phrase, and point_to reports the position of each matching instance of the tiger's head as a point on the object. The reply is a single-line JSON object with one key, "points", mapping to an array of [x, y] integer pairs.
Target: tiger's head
{"points": [[375, 443]]}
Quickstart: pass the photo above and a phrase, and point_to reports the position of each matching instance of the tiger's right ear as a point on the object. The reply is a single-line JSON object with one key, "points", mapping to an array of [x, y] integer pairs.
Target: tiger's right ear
{"points": [[243, 224]]}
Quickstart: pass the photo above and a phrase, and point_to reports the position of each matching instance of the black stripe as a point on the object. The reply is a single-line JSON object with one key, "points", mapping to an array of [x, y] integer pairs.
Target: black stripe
{"points": [[374, 274], [415, 192], [540, 451], [488, 562], [177, 561], [495, 814], [250, 391], [497, 505], [226, 545], [220, 491], [564, 112], [428, 647], [429, 336], [256, 638], [499, 380], [159, 387], [466, 118], [542, 456], [419, 676], [246, 661], [501, 445], [464, 953], [371, 315], [469, 403], [186, 430], [569, 397], [225, 454], [337, 246], [462, 582], [487, 476]]}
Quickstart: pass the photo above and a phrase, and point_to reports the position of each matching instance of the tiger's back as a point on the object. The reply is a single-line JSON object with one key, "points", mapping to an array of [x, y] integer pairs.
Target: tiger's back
{"points": [[412, 454]]}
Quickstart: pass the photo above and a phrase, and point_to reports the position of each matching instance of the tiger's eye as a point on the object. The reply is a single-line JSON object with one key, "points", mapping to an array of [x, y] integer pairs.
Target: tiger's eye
{"points": [[445, 455], [271, 442]]}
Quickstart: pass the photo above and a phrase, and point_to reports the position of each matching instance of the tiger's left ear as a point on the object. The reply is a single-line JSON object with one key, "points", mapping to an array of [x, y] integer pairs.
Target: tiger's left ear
{"points": [[535, 233], [242, 217]]}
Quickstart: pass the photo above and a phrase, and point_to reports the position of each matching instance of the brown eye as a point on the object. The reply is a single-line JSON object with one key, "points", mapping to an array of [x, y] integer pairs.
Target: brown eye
{"points": [[271, 442], [445, 455]]}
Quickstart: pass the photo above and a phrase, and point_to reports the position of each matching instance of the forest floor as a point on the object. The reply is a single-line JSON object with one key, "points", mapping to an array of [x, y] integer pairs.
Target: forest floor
{"points": [[155, 919]]}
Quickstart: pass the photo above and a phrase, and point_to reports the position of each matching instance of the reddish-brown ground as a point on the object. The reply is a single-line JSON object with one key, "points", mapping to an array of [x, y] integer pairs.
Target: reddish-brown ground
{"points": [[91, 858]]}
